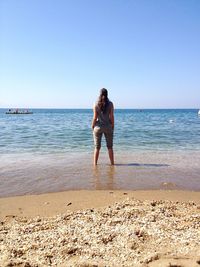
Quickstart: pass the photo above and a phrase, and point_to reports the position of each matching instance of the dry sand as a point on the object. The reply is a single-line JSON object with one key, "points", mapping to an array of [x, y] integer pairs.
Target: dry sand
{"points": [[101, 228]]}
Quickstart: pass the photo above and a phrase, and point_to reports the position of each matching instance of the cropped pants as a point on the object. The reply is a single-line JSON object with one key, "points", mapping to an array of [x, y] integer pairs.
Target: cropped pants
{"points": [[108, 133]]}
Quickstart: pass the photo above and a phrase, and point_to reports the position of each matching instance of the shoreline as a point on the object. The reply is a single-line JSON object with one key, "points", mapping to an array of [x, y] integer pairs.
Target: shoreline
{"points": [[51, 204], [41, 173]]}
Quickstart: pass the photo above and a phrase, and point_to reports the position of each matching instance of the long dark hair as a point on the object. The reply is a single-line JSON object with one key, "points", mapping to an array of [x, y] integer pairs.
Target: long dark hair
{"points": [[103, 100]]}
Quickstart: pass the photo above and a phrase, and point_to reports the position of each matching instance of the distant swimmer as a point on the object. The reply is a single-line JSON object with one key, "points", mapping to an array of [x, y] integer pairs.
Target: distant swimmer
{"points": [[171, 121]]}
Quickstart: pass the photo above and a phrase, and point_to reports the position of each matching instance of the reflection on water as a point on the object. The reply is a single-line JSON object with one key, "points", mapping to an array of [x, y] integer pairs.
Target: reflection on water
{"points": [[34, 174], [168, 186], [104, 179]]}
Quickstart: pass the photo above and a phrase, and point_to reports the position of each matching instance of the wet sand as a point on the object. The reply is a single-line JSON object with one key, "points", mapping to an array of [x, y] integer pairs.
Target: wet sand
{"points": [[101, 228]]}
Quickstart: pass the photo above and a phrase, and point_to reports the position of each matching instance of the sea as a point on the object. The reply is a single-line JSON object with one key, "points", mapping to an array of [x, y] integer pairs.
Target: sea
{"points": [[51, 150]]}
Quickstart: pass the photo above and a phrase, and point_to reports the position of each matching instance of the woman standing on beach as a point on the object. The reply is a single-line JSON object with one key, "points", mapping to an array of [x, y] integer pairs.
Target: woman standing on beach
{"points": [[103, 123]]}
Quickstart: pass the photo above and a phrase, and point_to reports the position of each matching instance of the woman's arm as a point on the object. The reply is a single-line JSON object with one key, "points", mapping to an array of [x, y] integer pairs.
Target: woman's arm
{"points": [[94, 117], [111, 115]]}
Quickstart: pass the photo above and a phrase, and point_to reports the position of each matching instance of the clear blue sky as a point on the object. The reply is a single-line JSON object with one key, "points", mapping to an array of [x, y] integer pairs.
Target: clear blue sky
{"points": [[59, 53]]}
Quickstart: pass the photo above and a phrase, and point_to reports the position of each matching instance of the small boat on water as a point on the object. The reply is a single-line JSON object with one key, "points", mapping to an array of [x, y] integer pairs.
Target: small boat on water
{"points": [[199, 112], [19, 112]]}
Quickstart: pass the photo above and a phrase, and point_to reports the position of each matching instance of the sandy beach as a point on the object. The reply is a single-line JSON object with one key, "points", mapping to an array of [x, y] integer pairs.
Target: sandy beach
{"points": [[101, 228]]}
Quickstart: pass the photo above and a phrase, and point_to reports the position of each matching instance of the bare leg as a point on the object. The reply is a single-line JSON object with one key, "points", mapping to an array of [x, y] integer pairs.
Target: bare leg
{"points": [[111, 156], [96, 155]]}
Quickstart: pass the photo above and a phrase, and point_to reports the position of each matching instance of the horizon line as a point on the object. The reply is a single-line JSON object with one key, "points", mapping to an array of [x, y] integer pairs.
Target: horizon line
{"points": [[92, 108]]}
